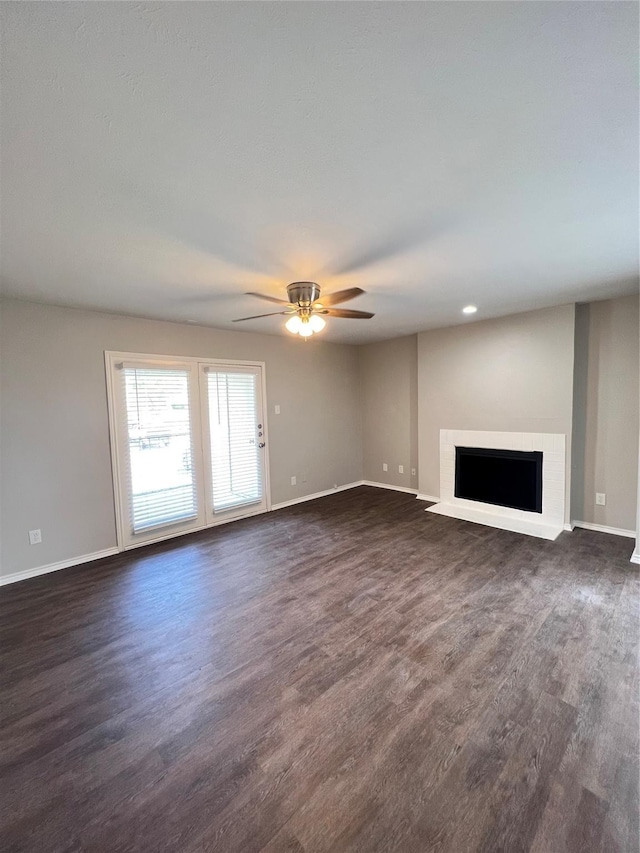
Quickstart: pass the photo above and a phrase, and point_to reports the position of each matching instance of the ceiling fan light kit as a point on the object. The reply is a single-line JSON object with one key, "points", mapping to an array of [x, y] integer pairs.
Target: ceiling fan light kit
{"points": [[305, 325], [317, 322], [293, 324], [306, 309], [305, 330]]}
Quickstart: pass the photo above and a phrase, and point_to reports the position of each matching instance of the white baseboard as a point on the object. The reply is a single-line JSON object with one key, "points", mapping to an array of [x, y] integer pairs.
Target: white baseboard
{"points": [[570, 526], [635, 557], [431, 498], [304, 498], [602, 528], [55, 567], [388, 486], [344, 488]]}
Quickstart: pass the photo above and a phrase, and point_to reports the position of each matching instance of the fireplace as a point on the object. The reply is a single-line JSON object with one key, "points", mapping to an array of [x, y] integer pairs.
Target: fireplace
{"points": [[510, 478]]}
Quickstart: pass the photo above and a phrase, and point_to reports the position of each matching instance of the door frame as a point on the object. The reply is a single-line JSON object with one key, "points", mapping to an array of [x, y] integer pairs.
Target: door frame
{"points": [[111, 359]]}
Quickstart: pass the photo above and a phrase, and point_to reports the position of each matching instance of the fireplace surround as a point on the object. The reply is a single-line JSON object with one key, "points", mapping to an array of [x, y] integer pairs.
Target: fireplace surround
{"points": [[511, 480]]}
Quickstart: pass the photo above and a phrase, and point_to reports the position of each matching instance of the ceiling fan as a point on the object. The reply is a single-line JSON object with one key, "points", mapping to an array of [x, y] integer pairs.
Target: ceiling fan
{"points": [[307, 308]]}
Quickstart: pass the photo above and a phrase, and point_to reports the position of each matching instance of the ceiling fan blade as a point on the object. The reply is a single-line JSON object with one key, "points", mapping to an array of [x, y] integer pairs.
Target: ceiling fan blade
{"points": [[269, 298], [257, 316], [348, 314], [340, 296]]}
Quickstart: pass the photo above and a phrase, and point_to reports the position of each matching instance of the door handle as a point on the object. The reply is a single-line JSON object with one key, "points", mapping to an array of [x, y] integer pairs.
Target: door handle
{"points": [[262, 443]]}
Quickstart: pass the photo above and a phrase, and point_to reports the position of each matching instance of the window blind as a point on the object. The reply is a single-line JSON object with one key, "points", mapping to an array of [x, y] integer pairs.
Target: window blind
{"points": [[236, 469], [160, 465]]}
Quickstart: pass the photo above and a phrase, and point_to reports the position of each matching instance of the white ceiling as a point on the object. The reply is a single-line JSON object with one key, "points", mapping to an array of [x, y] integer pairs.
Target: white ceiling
{"points": [[161, 159]]}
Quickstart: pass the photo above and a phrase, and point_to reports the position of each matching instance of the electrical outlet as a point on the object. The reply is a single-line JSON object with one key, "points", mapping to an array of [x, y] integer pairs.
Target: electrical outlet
{"points": [[400, 469], [601, 499], [277, 409], [413, 472], [293, 481], [385, 467], [35, 537]]}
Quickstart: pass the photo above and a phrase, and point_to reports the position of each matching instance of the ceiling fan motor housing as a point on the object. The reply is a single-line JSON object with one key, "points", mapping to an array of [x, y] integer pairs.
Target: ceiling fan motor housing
{"points": [[303, 292]]}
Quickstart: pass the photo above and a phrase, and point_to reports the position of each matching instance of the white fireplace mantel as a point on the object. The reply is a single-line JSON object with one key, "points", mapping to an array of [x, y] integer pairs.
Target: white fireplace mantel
{"points": [[546, 525]]}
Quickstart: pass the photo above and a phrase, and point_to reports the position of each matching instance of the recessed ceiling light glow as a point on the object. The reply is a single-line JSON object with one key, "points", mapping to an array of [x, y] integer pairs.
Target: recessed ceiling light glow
{"points": [[469, 309]]}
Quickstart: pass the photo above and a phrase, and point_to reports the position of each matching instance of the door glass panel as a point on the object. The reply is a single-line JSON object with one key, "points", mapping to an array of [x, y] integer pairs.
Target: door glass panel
{"points": [[162, 483], [236, 463]]}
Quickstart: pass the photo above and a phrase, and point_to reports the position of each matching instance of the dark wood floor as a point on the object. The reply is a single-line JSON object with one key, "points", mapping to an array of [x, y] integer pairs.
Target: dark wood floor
{"points": [[351, 674]]}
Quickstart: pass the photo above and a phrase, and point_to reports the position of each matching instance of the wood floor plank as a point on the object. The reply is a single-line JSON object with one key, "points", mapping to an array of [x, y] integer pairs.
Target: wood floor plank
{"points": [[350, 674]]}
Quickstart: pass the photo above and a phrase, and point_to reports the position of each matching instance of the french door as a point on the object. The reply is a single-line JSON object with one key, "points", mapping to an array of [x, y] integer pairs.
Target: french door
{"points": [[188, 444], [234, 440]]}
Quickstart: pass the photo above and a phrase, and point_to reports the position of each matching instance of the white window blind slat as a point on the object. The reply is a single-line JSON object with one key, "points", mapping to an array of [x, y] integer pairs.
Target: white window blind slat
{"points": [[236, 469], [159, 463]]}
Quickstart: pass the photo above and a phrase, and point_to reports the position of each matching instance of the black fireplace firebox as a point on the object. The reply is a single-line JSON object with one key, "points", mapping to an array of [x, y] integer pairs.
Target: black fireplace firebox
{"points": [[510, 478]]}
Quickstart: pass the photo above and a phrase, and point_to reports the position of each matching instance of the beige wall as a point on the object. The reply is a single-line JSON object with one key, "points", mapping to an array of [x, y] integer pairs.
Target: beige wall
{"points": [[606, 412], [344, 410], [510, 374], [636, 553], [56, 467], [580, 392], [389, 393]]}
